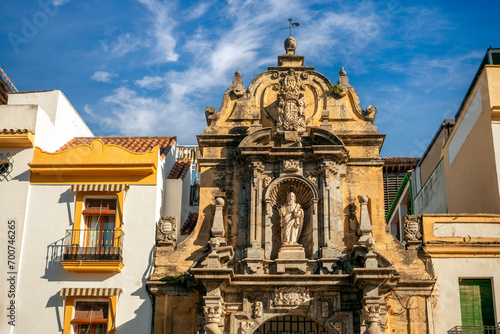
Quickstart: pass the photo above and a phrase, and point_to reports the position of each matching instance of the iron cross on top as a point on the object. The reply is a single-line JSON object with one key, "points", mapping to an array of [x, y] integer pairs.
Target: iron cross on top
{"points": [[292, 24]]}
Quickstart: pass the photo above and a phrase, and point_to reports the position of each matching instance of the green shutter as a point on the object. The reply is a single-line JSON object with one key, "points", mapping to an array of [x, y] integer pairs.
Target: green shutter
{"points": [[476, 302]]}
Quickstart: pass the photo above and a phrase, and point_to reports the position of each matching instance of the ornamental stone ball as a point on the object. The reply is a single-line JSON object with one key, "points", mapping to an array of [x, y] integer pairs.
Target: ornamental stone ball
{"points": [[290, 45]]}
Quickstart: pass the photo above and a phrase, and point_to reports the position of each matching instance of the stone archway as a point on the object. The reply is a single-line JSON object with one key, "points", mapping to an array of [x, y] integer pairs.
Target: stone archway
{"points": [[292, 324]]}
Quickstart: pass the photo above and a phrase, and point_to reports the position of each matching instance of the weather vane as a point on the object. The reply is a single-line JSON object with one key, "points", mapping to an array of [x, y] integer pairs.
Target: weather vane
{"points": [[292, 24]]}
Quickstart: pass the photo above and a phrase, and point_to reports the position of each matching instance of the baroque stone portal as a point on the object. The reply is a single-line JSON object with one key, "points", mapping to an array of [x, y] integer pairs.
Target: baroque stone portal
{"points": [[291, 222]]}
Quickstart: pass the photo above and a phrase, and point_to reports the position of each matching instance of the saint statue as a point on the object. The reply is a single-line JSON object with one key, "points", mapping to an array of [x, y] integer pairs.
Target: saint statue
{"points": [[292, 217]]}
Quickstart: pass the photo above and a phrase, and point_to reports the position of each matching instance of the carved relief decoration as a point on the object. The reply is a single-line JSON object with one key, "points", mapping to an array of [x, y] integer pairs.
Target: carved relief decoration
{"points": [[324, 310], [337, 326], [213, 314], [166, 232], [291, 296], [267, 181], [291, 165], [291, 103], [370, 313], [412, 225], [258, 310]]}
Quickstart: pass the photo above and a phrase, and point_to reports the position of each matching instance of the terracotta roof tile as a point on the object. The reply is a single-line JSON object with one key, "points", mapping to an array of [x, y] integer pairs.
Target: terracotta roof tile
{"points": [[190, 223], [180, 169], [134, 144], [12, 131]]}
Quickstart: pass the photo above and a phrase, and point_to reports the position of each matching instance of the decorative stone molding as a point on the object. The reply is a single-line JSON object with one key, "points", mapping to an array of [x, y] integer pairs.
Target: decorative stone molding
{"points": [[245, 327], [258, 310], [267, 180], [371, 313], [412, 227], [291, 165], [213, 314], [325, 312], [291, 296], [166, 231], [337, 326], [238, 89]]}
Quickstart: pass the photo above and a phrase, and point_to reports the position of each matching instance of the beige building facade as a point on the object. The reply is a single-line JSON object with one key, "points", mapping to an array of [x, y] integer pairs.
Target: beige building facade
{"points": [[291, 234]]}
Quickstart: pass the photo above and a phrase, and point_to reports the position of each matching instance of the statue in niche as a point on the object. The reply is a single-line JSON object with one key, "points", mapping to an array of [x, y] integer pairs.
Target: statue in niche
{"points": [[292, 218]]}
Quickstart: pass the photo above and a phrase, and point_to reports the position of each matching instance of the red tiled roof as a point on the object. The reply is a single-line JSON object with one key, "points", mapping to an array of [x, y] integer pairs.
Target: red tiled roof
{"points": [[179, 170], [134, 144], [190, 223]]}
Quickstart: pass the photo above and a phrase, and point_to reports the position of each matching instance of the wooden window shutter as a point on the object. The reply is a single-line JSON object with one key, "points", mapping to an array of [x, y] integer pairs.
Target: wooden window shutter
{"points": [[476, 302], [90, 313]]}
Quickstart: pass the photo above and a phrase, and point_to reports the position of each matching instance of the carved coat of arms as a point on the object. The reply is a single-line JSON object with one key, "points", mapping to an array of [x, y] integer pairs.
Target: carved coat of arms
{"points": [[291, 103]]}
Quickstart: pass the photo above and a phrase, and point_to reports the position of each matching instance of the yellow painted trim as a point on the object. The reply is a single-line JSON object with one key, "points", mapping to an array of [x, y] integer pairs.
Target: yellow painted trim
{"points": [[80, 199], [93, 266], [26, 139], [68, 315], [68, 312], [463, 250], [94, 163]]}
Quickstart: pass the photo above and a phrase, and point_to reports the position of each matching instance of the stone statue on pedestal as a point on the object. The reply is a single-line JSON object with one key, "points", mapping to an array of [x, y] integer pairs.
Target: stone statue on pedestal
{"points": [[292, 218]]}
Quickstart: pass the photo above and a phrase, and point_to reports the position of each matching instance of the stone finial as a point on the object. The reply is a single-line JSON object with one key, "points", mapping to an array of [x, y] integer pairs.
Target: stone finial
{"points": [[290, 45], [343, 79], [365, 225], [218, 223]]}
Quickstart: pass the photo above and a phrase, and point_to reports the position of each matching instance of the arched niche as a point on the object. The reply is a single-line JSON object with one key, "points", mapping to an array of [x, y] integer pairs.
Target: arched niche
{"points": [[307, 196]]}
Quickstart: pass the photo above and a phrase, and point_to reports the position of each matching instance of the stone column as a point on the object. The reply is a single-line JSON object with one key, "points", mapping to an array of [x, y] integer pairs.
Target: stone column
{"points": [[213, 311], [370, 313], [332, 212]]}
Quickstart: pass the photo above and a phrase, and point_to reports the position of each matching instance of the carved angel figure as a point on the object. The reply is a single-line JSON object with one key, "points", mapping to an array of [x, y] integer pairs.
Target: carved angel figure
{"points": [[292, 217]]}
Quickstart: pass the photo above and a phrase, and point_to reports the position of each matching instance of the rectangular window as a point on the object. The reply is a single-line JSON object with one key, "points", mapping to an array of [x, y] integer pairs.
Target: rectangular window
{"points": [[90, 318], [100, 217], [476, 302]]}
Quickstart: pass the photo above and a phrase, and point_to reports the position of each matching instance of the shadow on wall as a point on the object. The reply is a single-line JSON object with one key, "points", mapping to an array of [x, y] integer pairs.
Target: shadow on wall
{"points": [[57, 302], [144, 313]]}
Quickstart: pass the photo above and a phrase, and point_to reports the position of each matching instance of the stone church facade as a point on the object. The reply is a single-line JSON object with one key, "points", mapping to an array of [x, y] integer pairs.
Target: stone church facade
{"points": [[291, 235]]}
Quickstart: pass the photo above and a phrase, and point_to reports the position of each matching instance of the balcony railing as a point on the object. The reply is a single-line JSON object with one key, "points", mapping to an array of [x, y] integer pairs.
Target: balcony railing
{"points": [[475, 330], [93, 245]]}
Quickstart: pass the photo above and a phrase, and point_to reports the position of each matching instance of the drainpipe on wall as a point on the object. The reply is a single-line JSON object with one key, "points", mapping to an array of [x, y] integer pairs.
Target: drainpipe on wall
{"points": [[396, 199]]}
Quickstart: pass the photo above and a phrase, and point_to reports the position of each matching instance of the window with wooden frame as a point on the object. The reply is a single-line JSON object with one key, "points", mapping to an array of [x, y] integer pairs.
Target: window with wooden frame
{"points": [[95, 243], [91, 317], [100, 220], [476, 303]]}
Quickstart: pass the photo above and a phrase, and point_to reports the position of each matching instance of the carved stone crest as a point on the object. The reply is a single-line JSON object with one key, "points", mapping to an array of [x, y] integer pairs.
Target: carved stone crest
{"points": [[291, 296], [412, 227], [291, 103], [291, 165], [166, 232]]}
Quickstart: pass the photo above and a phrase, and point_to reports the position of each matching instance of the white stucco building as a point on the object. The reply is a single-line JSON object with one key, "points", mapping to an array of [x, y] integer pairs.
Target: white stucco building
{"points": [[84, 211]]}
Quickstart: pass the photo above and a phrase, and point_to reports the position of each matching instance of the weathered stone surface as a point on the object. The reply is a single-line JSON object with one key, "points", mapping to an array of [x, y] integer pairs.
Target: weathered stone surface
{"points": [[328, 256]]}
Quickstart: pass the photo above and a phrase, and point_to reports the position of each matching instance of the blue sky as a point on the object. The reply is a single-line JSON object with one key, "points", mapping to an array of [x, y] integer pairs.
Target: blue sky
{"points": [[150, 67]]}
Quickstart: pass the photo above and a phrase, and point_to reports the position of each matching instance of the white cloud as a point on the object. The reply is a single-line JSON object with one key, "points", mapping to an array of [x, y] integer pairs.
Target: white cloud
{"points": [[59, 2], [149, 82], [162, 30], [103, 76], [197, 11], [122, 45]]}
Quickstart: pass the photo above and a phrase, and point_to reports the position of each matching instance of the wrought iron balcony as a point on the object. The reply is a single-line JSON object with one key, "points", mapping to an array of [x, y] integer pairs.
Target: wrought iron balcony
{"points": [[93, 245], [475, 330]]}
